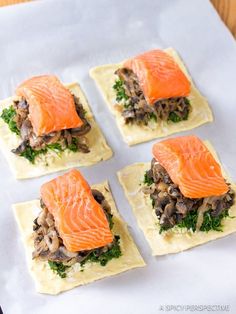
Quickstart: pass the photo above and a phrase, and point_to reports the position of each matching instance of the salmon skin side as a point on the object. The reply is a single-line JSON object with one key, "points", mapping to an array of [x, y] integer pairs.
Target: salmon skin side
{"points": [[159, 76], [79, 219], [191, 166], [51, 105]]}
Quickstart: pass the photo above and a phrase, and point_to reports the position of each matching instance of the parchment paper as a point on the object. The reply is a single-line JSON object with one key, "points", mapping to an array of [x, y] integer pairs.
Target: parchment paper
{"points": [[67, 38]]}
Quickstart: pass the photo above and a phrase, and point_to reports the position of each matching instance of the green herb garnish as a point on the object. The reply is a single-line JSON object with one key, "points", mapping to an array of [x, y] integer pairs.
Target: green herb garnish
{"points": [[58, 268], [174, 117], [30, 153], [120, 90], [104, 258], [147, 180], [213, 223], [120, 93], [189, 221], [56, 147], [110, 221], [8, 115], [74, 145], [164, 228], [209, 222], [153, 117]]}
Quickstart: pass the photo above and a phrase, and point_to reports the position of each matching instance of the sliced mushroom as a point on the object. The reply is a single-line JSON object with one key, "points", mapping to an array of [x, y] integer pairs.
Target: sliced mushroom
{"points": [[52, 137], [98, 196], [52, 241], [26, 130], [41, 220], [181, 208], [21, 148], [67, 253], [173, 191], [84, 129]]}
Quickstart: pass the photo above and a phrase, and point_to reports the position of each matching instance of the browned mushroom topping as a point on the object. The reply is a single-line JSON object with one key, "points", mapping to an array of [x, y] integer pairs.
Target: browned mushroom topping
{"points": [[171, 206], [139, 111]]}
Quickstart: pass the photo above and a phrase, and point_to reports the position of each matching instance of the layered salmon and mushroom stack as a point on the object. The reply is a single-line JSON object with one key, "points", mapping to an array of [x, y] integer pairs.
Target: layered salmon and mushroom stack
{"points": [[151, 86], [48, 116], [74, 225], [186, 186]]}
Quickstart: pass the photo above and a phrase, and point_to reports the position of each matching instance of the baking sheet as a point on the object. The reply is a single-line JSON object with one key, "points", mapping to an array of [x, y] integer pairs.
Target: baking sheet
{"points": [[67, 38]]}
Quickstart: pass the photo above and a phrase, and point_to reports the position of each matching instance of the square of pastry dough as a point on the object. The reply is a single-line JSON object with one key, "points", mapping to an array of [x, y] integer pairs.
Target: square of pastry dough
{"points": [[52, 162], [174, 240], [132, 133], [46, 280]]}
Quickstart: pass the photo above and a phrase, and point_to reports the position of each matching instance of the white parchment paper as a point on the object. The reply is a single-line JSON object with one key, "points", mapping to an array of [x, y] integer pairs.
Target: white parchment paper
{"points": [[67, 38]]}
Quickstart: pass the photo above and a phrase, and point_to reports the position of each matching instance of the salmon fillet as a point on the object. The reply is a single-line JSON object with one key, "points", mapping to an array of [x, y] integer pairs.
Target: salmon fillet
{"points": [[51, 105], [80, 220], [159, 76], [191, 166]]}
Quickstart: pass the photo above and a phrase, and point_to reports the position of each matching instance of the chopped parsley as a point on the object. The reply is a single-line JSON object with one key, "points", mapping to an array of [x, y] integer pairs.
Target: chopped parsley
{"points": [[121, 94], [114, 252], [120, 90], [214, 223], [153, 117], [174, 117], [147, 179], [56, 147], [110, 221], [74, 145], [8, 115], [209, 222], [30, 154], [58, 268], [189, 221], [104, 258]]}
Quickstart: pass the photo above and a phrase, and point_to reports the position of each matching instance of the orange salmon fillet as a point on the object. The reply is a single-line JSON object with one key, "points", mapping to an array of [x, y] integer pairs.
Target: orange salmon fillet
{"points": [[191, 166], [159, 76], [51, 105], [79, 219]]}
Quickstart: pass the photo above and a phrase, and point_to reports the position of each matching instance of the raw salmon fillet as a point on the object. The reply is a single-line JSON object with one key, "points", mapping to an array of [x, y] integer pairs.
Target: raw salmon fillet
{"points": [[159, 75], [51, 105], [191, 166], [80, 220]]}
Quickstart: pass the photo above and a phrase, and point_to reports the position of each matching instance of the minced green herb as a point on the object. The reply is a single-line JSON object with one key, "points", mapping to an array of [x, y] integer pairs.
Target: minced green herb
{"points": [[174, 117], [164, 228], [120, 93], [153, 117], [104, 258], [209, 222], [56, 147], [114, 252], [120, 90], [58, 268], [189, 221], [8, 115], [110, 221], [147, 180], [214, 223], [74, 145], [30, 153]]}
